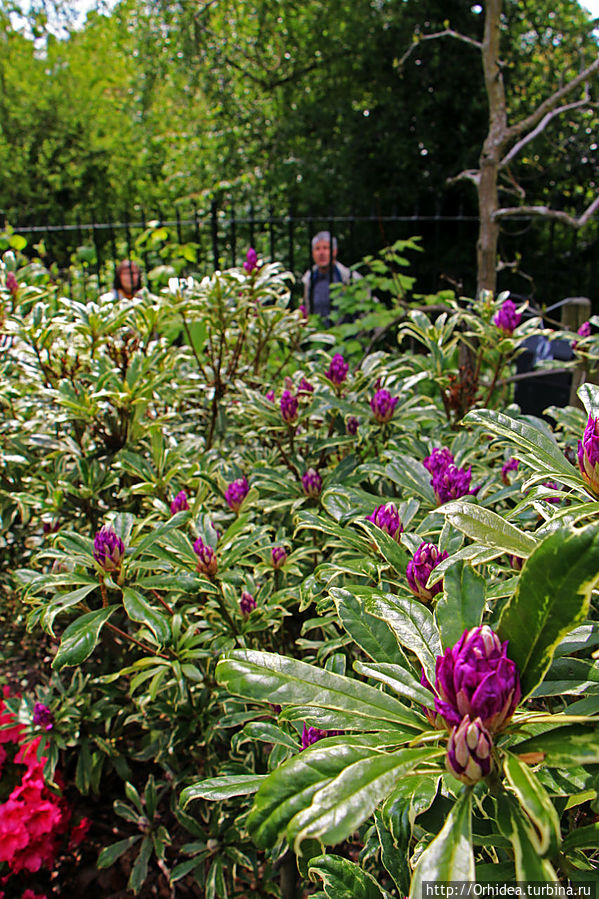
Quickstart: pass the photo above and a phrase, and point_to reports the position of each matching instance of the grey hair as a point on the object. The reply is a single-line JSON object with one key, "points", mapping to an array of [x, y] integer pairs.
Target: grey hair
{"points": [[326, 236]]}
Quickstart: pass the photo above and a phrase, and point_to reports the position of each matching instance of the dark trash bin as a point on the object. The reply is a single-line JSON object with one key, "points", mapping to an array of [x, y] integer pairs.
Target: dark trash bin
{"points": [[535, 394]]}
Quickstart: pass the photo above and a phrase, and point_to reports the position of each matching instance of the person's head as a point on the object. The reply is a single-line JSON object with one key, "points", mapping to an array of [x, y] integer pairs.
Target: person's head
{"points": [[127, 278], [321, 250]]}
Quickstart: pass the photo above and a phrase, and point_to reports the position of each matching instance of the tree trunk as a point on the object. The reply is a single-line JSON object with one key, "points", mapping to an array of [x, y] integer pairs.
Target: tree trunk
{"points": [[488, 203]]}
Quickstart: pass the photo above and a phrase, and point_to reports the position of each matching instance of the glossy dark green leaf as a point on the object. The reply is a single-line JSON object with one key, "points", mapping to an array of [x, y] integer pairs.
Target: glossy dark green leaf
{"points": [[343, 879], [450, 855], [551, 599], [373, 635], [109, 854], [268, 677], [535, 803], [514, 825], [399, 680], [462, 603], [412, 623], [338, 808], [219, 788], [290, 788], [563, 747], [80, 638], [488, 528], [139, 609]]}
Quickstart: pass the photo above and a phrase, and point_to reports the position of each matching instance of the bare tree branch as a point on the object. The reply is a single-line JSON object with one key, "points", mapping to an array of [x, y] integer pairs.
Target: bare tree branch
{"points": [[447, 32], [546, 212], [472, 175], [551, 102], [540, 128]]}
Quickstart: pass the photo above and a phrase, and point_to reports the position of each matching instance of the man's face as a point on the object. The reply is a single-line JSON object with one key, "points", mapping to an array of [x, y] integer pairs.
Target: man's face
{"points": [[321, 254]]}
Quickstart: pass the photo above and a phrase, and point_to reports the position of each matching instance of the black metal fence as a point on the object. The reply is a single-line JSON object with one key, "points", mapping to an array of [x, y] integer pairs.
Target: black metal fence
{"points": [[553, 261]]}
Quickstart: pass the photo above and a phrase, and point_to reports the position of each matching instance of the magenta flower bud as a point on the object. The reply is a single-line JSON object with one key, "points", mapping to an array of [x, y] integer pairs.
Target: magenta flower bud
{"points": [[270, 396], [383, 406], [251, 261], [303, 311], [289, 406], [179, 503], [352, 424], [42, 716], [588, 454], [311, 735], [236, 492], [51, 527], [516, 562], [469, 751], [247, 603], [510, 465], [438, 461], [12, 284], [507, 319], [305, 387], [476, 678], [583, 331], [312, 483], [387, 519], [419, 569], [337, 370], [278, 556], [207, 561], [452, 483], [109, 549]]}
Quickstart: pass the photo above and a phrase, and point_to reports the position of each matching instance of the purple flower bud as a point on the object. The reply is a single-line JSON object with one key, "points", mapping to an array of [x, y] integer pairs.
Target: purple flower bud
{"points": [[507, 319], [207, 561], [247, 603], [50, 527], [12, 284], [583, 331], [516, 562], [469, 751], [303, 311], [236, 492], [179, 503], [278, 556], [108, 549], [476, 678], [337, 370], [419, 569], [289, 406], [383, 406], [510, 465], [588, 454], [452, 483], [312, 735], [312, 483], [438, 460], [42, 716], [387, 519], [270, 396], [305, 387], [352, 424], [251, 261]]}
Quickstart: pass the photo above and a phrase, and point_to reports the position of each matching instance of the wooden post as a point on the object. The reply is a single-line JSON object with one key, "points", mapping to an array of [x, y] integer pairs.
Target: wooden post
{"points": [[575, 311]]}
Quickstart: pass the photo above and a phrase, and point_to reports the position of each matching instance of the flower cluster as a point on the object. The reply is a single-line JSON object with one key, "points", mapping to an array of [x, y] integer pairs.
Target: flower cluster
{"points": [[42, 716], [510, 465], [507, 319], [278, 555], [452, 483], [337, 370], [311, 735], [251, 261], [305, 387], [478, 689], [426, 557], [383, 406], [179, 503], [12, 285], [247, 603], [438, 460], [352, 424], [312, 483], [289, 406], [583, 331], [236, 492], [109, 549], [33, 819], [387, 518], [207, 562], [588, 454]]}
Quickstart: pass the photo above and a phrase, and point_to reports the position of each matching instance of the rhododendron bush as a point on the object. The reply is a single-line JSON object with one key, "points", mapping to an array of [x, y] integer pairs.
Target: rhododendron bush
{"points": [[315, 615]]}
